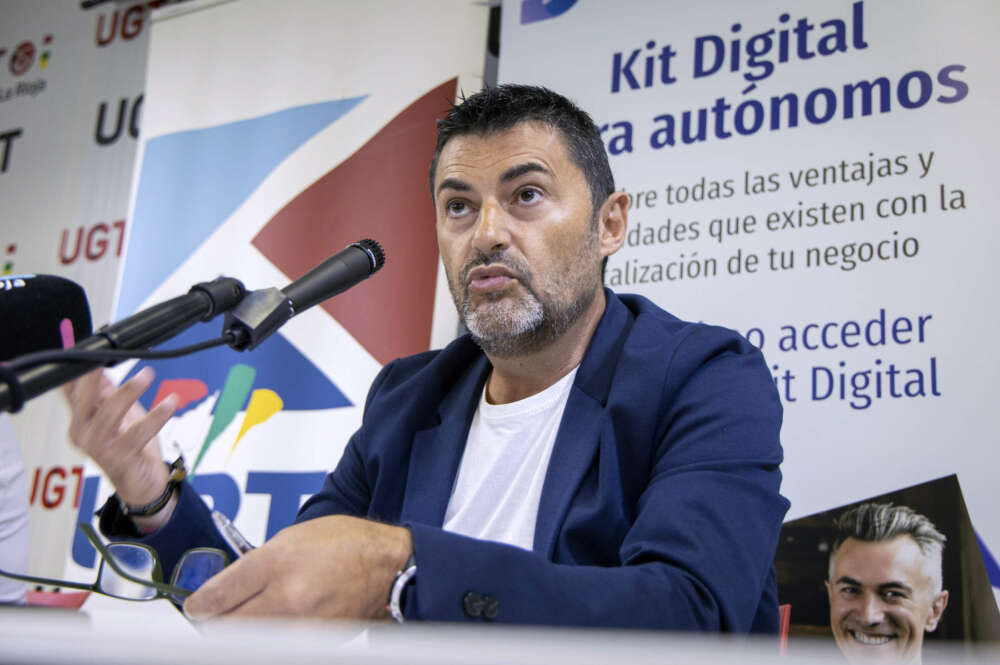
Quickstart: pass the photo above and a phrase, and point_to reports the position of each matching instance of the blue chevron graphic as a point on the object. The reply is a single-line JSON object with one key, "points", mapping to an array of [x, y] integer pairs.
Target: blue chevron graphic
{"points": [[192, 181]]}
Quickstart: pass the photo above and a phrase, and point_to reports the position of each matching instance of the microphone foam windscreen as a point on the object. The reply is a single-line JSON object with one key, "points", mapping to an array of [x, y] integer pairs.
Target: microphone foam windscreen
{"points": [[39, 312]]}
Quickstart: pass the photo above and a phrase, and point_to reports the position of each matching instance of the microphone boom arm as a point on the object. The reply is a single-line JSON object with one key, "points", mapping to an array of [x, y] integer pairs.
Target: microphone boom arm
{"points": [[250, 318], [142, 330], [263, 312]]}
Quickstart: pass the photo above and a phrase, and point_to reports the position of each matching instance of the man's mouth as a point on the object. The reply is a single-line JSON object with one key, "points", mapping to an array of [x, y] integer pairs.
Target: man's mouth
{"points": [[489, 278], [870, 640]]}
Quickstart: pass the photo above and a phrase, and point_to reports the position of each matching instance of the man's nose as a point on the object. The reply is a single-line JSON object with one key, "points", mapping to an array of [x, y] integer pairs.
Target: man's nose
{"points": [[872, 611], [491, 233]]}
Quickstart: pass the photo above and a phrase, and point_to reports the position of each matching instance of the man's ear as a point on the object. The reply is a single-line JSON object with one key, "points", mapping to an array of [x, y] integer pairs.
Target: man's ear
{"points": [[937, 609], [613, 223], [829, 590]]}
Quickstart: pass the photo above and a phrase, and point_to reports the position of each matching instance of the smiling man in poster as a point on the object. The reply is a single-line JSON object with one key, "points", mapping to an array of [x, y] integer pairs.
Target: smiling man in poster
{"points": [[885, 583]]}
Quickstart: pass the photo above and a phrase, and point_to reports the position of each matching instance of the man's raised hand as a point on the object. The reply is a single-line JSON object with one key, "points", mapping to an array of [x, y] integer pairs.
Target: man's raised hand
{"points": [[109, 426]]}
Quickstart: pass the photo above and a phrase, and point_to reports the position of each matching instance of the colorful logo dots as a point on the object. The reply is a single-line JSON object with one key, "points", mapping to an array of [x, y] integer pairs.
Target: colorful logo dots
{"points": [[8, 265], [43, 62]]}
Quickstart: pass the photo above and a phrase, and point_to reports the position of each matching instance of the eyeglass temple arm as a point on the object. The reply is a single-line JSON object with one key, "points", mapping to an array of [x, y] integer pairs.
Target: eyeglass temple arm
{"points": [[46, 581]]}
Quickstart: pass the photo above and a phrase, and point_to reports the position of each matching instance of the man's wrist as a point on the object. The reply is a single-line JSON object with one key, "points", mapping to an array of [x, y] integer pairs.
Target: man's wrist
{"points": [[397, 596], [155, 513], [151, 523], [396, 550]]}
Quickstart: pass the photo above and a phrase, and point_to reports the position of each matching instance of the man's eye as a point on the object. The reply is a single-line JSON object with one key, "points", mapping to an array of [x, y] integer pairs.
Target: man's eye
{"points": [[849, 590], [456, 208], [894, 595], [528, 195]]}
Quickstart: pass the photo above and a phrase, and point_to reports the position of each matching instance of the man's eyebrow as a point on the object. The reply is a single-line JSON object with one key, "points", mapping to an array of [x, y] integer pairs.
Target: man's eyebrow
{"points": [[891, 586], [844, 579], [885, 586], [453, 183], [515, 172]]}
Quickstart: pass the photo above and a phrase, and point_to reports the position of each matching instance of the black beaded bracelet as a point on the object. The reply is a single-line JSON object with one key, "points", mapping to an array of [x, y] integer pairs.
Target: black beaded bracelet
{"points": [[178, 472]]}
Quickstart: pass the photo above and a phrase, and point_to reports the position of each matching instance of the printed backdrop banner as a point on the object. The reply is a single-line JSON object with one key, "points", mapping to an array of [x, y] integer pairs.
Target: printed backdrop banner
{"points": [[275, 134], [71, 100], [818, 176]]}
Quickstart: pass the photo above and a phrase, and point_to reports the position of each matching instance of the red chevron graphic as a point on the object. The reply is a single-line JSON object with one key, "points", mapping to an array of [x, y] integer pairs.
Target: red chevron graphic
{"points": [[378, 192]]}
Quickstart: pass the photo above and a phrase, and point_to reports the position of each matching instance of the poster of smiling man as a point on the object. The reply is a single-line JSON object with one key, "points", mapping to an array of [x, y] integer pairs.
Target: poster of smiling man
{"points": [[889, 578]]}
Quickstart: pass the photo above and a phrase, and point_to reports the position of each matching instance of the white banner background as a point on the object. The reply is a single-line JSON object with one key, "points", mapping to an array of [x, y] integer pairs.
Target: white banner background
{"points": [[834, 453]]}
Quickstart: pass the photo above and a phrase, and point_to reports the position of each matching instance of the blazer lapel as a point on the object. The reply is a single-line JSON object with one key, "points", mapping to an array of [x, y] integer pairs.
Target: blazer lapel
{"points": [[574, 450], [579, 431], [437, 451]]}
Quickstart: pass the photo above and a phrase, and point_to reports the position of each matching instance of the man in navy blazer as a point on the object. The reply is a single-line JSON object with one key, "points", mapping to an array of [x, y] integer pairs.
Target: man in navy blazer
{"points": [[642, 491]]}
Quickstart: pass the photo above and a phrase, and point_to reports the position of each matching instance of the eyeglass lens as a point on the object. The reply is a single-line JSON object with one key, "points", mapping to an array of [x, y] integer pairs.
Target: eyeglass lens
{"points": [[137, 561], [196, 566]]}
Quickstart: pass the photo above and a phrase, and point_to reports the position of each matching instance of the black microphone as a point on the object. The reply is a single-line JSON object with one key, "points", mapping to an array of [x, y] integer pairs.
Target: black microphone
{"points": [[264, 311], [41, 312], [351, 265], [140, 331]]}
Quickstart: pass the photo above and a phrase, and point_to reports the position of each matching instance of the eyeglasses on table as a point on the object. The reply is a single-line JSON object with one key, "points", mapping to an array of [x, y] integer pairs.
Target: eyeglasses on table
{"points": [[132, 571]]}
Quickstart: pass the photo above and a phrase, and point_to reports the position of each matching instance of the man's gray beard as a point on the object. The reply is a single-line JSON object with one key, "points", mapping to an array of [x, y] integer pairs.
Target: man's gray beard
{"points": [[514, 328]]}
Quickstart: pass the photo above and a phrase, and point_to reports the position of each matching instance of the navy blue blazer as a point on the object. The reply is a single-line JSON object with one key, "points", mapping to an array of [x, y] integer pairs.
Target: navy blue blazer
{"points": [[661, 504]]}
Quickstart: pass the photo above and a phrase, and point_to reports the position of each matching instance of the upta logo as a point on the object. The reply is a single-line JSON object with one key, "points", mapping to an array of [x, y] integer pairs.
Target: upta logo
{"points": [[279, 378], [533, 11], [214, 392]]}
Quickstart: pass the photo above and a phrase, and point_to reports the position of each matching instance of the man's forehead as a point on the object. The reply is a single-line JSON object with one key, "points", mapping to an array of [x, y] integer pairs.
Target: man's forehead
{"points": [[898, 559], [498, 151]]}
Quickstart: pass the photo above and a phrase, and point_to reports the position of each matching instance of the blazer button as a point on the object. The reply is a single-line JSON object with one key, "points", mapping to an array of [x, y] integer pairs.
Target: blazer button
{"points": [[473, 604], [490, 607]]}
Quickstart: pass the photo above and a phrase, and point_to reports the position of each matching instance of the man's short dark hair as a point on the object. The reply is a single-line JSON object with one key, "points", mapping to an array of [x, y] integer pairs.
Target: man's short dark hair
{"points": [[502, 107], [878, 522]]}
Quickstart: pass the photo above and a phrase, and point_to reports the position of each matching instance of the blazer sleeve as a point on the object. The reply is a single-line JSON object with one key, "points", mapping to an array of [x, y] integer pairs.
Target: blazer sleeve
{"points": [[699, 552]]}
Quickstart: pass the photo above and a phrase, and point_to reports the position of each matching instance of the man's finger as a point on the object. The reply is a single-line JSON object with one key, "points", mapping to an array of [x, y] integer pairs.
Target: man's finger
{"points": [[108, 418], [228, 590], [261, 604], [81, 393], [146, 427]]}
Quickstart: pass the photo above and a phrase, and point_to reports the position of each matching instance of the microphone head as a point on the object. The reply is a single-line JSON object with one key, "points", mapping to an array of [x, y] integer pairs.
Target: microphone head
{"points": [[374, 251], [41, 312]]}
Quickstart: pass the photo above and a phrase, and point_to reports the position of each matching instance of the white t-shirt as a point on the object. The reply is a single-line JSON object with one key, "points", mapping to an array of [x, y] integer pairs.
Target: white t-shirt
{"points": [[499, 482]]}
